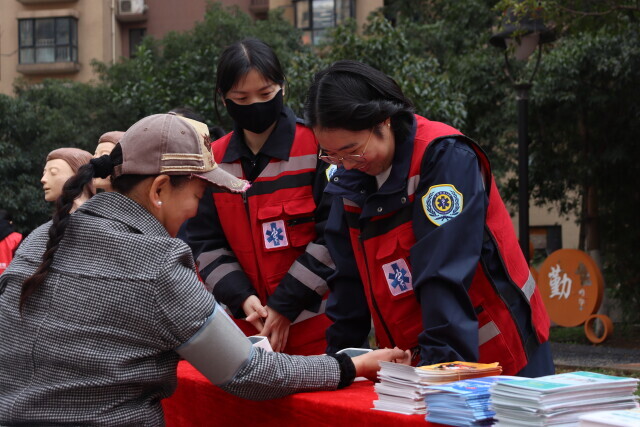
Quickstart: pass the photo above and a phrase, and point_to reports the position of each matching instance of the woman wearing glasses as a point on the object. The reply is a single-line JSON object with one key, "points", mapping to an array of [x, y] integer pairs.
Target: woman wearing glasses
{"points": [[259, 252], [437, 263]]}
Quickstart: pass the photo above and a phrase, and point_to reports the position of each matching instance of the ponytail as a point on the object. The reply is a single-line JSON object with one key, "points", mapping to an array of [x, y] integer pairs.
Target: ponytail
{"points": [[72, 189]]}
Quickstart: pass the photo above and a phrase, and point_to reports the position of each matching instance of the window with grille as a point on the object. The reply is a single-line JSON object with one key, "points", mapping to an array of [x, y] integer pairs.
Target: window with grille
{"points": [[315, 17], [47, 40]]}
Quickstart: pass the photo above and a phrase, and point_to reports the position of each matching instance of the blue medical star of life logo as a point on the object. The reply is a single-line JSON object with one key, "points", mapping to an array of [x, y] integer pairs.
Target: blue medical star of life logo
{"points": [[275, 235], [398, 276], [442, 203]]}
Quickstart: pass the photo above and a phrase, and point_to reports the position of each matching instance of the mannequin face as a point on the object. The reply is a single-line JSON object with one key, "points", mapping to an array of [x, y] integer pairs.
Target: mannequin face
{"points": [[102, 149], [56, 173]]}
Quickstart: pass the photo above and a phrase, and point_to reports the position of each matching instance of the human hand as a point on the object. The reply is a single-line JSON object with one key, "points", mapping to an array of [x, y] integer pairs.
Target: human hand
{"points": [[254, 311], [276, 328], [367, 364]]}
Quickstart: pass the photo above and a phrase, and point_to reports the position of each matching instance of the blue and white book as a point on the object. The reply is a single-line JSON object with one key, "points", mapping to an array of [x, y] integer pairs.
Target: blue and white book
{"points": [[463, 403], [560, 399]]}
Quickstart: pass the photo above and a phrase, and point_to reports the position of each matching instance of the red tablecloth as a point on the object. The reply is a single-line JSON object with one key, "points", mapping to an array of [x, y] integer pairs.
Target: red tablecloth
{"points": [[197, 402]]}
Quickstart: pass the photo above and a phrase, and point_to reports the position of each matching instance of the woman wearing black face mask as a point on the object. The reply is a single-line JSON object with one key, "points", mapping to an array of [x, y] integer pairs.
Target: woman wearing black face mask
{"points": [[260, 253]]}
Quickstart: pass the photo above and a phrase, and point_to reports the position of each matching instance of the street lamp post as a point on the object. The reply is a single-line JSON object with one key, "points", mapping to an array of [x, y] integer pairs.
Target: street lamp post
{"points": [[520, 38]]}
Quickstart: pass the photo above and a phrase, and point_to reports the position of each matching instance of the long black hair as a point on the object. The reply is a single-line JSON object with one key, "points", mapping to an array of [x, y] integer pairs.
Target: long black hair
{"points": [[102, 167], [354, 96], [240, 58]]}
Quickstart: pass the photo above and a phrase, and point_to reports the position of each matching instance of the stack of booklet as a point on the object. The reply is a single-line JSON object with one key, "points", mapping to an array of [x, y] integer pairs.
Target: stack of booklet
{"points": [[560, 400], [463, 403], [403, 388], [620, 418]]}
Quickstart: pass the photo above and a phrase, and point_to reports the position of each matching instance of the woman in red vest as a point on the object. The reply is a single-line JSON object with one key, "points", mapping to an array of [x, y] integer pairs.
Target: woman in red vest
{"points": [[260, 253], [9, 240], [437, 262]]}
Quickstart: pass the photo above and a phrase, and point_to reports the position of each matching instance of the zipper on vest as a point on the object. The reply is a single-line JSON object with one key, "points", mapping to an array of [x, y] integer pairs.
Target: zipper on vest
{"points": [[373, 298], [296, 221]]}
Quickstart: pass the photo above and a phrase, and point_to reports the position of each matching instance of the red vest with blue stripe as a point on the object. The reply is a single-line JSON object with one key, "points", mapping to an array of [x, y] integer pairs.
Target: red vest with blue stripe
{"points": [[398, 318], [270, 225]]}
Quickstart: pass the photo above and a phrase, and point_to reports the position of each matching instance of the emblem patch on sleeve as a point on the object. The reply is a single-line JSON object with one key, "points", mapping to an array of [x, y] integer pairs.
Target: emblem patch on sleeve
{"points": [[330, 171], [442, 203], [398, 277], [275, 234]]}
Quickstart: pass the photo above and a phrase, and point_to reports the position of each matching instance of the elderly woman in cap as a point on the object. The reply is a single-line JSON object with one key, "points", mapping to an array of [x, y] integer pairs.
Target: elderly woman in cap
{"points": [[105, 145], [61, 165], [96, 307]]}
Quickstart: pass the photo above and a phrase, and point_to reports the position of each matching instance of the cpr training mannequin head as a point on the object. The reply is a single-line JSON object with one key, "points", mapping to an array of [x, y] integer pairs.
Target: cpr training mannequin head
{"points": [[106, 142], [61, 165]]}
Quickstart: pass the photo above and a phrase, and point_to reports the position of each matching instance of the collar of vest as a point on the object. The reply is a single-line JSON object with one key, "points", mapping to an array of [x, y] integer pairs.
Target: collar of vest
{"points": [[278, 144]]}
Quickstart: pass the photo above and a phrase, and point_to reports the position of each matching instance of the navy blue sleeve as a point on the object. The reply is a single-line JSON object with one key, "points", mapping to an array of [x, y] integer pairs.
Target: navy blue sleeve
{"points": [[217, 264], [305, 284], [347, 303], [445, 257]]}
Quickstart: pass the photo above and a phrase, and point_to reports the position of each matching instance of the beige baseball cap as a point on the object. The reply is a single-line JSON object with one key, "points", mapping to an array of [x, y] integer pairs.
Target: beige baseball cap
{"points": [[172, 145]]}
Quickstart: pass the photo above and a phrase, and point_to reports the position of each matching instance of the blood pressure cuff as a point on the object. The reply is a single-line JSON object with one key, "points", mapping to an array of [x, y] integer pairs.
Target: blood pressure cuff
{"points": [[219, 349]]}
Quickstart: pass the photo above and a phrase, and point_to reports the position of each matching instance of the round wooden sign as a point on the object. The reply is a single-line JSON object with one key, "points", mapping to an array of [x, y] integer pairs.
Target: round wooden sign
{"points": [[571, 286]]}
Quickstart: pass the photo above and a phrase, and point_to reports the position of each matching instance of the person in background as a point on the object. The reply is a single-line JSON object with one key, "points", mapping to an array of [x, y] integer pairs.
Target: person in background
{"points": [[421, 238], [261, 253], [62, 164], [9, 240], [105, 144], [97, 307]]}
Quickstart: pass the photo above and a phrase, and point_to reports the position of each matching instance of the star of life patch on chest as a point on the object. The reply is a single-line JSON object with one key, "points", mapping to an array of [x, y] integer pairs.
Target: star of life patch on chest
{"points": [[442, 203], [398, 277], [275, 234], [330, 171]]}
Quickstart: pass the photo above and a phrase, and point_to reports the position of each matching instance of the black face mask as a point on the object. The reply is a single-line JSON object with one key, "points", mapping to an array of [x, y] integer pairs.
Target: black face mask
{"points": [[256, 117]]}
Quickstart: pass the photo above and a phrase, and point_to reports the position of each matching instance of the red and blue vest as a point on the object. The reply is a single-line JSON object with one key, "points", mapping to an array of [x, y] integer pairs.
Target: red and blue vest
{"points": [[280, 201], [398, 318]]}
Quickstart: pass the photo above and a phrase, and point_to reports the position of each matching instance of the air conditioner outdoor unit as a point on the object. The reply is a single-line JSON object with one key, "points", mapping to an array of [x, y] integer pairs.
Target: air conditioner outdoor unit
{"points": [[131, 7]]}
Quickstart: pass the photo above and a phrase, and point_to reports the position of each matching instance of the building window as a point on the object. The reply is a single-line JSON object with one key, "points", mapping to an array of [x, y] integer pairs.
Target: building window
{"points": [[48, 40], [315, 17], [135, 38]]}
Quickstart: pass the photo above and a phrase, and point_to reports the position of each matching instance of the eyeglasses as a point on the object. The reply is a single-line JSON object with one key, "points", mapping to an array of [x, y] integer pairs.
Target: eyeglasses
{"points": [[354, 158]]}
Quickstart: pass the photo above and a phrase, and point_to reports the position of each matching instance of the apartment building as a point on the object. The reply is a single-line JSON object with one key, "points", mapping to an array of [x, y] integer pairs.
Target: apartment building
{"points": [[53, 38]]}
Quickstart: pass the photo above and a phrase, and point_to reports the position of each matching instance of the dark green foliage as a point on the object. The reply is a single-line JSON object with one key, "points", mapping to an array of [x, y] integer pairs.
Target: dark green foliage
{"points": [[587, 113]]}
